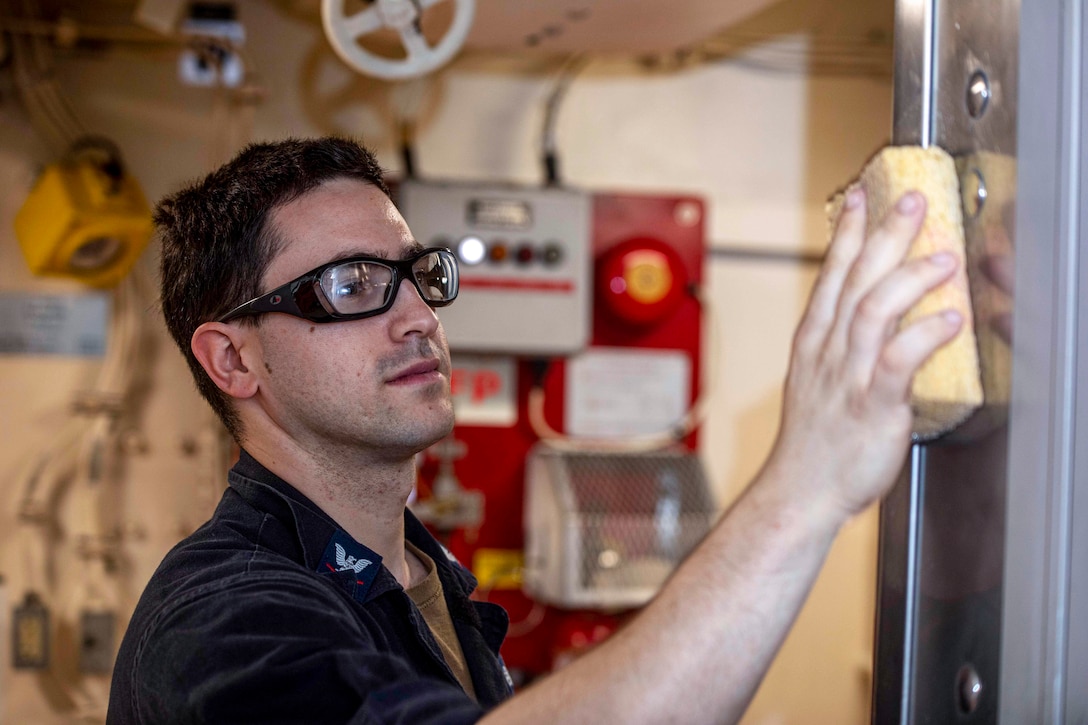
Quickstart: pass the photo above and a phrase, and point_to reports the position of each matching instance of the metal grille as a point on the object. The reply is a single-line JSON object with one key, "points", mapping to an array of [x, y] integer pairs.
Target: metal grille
{"points": [[606, 529]]}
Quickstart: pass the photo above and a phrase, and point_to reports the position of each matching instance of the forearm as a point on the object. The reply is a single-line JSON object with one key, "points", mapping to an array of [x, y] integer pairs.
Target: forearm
{"points": [[698, 651]]}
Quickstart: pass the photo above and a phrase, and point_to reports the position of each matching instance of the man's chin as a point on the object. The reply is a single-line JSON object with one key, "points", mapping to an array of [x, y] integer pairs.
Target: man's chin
{"points": [[450, 422], [443, 426]]}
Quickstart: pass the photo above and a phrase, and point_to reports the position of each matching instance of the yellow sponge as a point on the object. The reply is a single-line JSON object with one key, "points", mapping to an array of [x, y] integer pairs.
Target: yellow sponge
{"points": [[948, 388]]}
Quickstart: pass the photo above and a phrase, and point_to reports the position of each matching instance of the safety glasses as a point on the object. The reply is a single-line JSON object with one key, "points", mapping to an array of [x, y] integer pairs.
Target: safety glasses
{"points": [[358, 287]]}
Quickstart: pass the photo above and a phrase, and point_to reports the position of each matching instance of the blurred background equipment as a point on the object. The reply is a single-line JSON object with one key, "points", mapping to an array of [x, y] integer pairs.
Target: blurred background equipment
{"points": [[30, 634], [85, 218], [401, 39], [525, 265], [161, 16], [353, 35], [605, 529], [212, 56]]}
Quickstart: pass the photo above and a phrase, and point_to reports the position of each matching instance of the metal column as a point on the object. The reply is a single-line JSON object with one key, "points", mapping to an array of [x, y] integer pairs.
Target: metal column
{"points": [[942, 529], [984, 543]]}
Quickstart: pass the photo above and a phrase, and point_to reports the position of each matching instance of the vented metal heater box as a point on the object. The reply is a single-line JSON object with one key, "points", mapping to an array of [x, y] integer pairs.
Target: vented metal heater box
{"points": [[604, 530]]}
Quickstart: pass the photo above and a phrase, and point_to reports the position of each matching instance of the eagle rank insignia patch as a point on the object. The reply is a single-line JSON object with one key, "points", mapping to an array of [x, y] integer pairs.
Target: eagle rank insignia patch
{"points": [[350, 563]]}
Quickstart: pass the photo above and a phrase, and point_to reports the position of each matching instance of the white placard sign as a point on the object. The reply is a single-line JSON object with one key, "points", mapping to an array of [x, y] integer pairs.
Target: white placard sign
{"points": [[484, 390], [620, 392], [37, 324]]}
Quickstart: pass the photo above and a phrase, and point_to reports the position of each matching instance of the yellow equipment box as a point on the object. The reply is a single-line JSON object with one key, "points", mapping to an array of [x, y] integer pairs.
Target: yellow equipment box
{"points": [[82, 222]]}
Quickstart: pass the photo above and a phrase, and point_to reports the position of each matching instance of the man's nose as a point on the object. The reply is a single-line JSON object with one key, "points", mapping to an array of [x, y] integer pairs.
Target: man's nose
{"points": [[411, 315]]}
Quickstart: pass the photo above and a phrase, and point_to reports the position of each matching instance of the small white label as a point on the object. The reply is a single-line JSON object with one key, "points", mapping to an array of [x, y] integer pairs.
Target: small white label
{"points": [[53, 324], [484, 390], [621, 392]]}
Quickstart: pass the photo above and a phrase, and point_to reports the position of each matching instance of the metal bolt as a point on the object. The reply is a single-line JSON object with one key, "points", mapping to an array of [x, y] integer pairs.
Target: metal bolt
{"points": [[974, 193], [968, 689], [978, 94]]}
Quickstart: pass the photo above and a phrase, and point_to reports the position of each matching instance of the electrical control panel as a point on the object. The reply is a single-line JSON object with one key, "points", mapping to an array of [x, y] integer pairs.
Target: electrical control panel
{"points": [[525, 263]]}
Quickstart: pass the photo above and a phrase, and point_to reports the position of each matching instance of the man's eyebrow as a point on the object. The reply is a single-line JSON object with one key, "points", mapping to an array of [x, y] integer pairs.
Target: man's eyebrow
{"points": [[353, 252], [360, 252], [408, 250]]}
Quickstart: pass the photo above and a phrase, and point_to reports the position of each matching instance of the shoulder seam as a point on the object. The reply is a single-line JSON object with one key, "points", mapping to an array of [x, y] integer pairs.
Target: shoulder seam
{"points": [[257, 542]]}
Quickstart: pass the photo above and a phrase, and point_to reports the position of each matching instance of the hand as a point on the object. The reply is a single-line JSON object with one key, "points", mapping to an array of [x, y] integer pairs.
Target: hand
{"points": [[846, 418]]}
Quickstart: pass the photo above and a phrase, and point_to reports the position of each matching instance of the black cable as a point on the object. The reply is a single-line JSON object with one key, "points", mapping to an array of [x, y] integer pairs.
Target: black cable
{"points": [[548, 146], [539, 368], [112, 165], [551, 168], [407, 151]]}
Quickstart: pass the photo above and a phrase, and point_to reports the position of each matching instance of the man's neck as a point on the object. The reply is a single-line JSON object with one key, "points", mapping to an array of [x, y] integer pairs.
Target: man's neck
{"points": [[366, 497]]}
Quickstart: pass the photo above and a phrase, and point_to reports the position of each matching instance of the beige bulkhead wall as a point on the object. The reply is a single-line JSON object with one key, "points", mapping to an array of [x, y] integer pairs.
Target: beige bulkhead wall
{"points": [[764, 147]]}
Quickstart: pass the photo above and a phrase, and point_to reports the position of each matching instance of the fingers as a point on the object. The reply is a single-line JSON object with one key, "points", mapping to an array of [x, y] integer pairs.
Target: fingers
{"points": [[846, 245], [883, 252], [877, 315], [853, 266], [864, 290], [906, 352]]}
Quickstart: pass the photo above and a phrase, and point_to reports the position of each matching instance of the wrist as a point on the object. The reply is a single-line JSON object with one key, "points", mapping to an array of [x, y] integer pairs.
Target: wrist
{"points": [[802, 496]]}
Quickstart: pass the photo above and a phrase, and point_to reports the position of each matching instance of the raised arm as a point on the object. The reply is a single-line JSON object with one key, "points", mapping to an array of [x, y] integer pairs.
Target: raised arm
{"points": [[699, 650]]}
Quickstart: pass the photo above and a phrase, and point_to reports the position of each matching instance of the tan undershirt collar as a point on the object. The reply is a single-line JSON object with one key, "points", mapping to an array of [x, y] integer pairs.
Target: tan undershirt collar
{"points": [[429, 599]]}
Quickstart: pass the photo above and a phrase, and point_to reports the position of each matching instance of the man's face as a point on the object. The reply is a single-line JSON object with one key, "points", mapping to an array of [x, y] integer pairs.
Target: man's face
{"points": [[379, 385]]}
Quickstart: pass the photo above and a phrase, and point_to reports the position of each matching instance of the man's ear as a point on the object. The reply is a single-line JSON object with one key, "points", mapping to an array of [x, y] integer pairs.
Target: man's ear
{"points": [[219, 349]]}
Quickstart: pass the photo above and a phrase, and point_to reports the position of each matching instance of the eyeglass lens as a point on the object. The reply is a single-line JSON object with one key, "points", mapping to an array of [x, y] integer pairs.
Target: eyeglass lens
{"points": [[435, 275], [356, 287]]}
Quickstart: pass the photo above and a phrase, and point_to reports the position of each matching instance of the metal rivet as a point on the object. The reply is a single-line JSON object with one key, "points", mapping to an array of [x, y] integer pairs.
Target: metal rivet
{"points": [[974, 193], [978, 94], [968, 689]]}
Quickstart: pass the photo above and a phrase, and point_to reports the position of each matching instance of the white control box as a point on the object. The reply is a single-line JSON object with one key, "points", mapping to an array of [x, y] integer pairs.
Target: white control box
{"points": [[525, 263]]}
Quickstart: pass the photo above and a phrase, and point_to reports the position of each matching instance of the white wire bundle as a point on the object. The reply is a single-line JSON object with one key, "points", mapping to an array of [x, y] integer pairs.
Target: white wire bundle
{"points": [[80, 463], [53, 117], [77, 447], [50, 113]]}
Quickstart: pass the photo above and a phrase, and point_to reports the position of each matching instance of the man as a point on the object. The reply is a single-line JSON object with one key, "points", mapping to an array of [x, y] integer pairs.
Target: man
{"points": [[306, 312]]}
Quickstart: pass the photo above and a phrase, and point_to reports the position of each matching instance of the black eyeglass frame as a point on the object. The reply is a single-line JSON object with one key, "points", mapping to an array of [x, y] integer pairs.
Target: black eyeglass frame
{"points": [[303, 296]]}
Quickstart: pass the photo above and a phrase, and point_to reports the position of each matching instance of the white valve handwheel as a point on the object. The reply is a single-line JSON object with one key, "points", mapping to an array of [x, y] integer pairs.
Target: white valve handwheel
{"points": [[403, 17]]}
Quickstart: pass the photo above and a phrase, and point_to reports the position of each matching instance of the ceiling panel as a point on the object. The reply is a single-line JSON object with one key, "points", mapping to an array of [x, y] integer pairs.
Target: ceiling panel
{"points": [[640, 26]]}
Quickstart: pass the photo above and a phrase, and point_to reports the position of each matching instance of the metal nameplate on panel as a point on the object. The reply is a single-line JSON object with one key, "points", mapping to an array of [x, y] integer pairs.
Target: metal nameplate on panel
{"points": [[53, 324]]}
